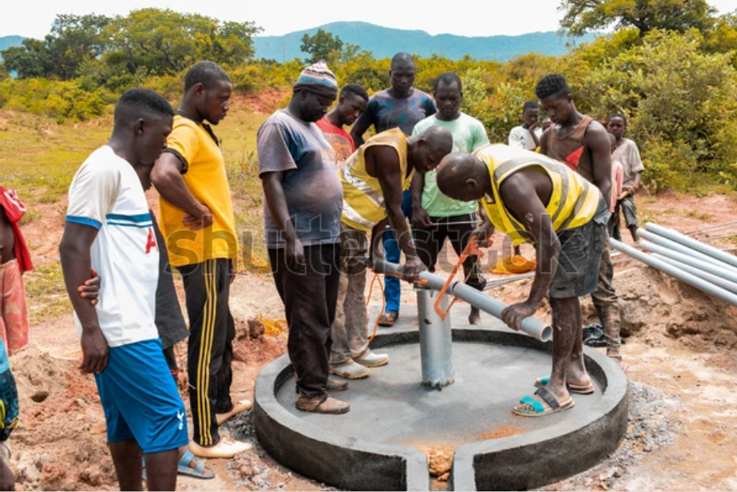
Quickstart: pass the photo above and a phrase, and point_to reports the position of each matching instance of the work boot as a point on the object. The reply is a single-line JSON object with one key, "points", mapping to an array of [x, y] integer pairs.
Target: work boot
{"points": [[335, 386], [370, 359], [328, 406], [350, 370]]}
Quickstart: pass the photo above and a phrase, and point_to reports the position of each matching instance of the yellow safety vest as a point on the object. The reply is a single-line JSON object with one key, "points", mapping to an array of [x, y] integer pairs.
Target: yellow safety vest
{"points": [[572, 203], [363, 200]]}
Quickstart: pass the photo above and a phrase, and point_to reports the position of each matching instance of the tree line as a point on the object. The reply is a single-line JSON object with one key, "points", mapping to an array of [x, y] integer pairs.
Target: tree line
{"points": [[670, 66]]}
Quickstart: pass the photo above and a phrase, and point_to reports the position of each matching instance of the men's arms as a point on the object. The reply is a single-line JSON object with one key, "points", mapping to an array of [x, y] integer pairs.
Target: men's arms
{"points": [[364, 122], [597, 140], [520, 196], [167, 178], [484, 231], [420, 218], [276, 200], [76, 265], [377, 233], [386, 162]]}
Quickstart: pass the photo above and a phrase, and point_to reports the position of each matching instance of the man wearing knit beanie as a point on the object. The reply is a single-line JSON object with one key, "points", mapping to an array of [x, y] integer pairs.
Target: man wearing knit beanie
{"points": [[304, 200]]}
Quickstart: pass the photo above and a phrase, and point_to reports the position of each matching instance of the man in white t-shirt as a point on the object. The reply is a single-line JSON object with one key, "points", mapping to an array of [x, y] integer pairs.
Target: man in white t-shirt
{"points": [[527, 136], [109, 229]]}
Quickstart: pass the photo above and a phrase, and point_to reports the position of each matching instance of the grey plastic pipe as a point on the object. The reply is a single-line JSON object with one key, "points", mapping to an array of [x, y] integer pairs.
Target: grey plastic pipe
{"points": [[724, 284], [692, 243], [530, 326], [675, 272], [720, 271], [683, 249]]}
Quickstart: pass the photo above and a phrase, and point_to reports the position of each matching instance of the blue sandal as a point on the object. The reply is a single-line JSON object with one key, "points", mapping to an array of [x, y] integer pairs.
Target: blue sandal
{"points": [[538, 410], [200, 470]]}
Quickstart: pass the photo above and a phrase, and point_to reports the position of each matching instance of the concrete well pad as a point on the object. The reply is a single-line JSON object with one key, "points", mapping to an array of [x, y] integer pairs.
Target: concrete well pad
{"points": [[394, 419]]}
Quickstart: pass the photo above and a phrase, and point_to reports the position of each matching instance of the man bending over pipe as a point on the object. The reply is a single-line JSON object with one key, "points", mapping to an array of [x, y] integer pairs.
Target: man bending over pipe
{"points": [[373, 180], [536, 199]]}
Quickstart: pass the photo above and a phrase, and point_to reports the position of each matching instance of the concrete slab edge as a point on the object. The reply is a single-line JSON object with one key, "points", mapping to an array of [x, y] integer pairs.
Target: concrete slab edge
{"points": [[549, 455], [327, 457]]}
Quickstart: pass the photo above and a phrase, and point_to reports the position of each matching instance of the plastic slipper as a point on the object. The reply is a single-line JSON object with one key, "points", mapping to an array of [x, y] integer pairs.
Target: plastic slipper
{"points": [[538, 410], [389, 318], [572, 388], [199, 471]]}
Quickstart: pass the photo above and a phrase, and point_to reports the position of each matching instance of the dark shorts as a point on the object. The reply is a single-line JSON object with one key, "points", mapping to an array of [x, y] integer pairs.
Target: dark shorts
{"points": [[630, 211], [141, 400], [580, 256]]}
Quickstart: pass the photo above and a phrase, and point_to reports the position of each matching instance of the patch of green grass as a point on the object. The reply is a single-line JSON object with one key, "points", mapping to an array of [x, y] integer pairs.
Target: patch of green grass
{"points": [[39, 158], [695, 214], [46, 293]]}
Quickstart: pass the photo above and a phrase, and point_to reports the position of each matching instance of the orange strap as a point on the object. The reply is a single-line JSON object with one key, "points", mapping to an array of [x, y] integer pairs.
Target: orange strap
{"points": [[471, 249]]}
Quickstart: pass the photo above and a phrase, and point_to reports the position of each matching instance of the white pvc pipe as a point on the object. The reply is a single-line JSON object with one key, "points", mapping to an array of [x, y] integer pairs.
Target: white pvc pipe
{"points": [[673, 271], [724, 284], [531, 326], [692, 243], [683, 249], [724, 271]]}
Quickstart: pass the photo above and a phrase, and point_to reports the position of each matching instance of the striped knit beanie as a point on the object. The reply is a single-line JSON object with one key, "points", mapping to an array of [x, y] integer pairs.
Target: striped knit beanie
{"points": [[317, 78]]}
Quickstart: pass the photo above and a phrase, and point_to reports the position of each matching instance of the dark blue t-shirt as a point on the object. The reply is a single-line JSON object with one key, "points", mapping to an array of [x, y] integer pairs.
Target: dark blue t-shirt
{"points": [[311, 183], [386, 112]]}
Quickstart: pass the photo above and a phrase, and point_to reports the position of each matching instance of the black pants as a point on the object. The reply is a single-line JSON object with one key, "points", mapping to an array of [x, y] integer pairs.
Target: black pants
{"points": [[210, 349], [310, 296], [458, 228]]}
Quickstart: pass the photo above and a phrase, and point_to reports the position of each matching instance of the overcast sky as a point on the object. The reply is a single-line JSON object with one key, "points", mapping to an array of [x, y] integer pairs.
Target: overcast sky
{"points": [[32, 18]]}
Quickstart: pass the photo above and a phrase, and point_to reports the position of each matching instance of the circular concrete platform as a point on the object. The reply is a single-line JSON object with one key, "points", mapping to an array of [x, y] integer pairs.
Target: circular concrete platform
{"points": [[376, 446]]}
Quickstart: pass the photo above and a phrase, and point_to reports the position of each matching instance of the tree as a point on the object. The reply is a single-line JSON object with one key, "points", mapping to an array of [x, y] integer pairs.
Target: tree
{"points": [[322, 46], [582, 16], [29, 60], [163, 41], [74, 40], [680, 102], [723, 38]]}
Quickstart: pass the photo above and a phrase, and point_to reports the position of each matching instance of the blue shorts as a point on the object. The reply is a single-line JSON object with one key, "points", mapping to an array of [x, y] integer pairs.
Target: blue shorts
{"points": [[141, 400]]}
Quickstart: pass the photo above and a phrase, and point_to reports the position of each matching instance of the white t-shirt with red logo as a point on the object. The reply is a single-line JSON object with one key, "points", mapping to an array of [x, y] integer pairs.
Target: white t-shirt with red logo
{"points": [[106, 194]]}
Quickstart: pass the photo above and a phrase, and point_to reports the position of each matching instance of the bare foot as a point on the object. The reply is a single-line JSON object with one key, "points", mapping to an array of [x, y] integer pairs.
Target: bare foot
{"points": [[475, 317]]}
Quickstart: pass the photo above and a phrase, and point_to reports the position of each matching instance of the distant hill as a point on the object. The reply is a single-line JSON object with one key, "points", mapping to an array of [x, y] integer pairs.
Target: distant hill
{"points": [[8, 41], [384, 42]]}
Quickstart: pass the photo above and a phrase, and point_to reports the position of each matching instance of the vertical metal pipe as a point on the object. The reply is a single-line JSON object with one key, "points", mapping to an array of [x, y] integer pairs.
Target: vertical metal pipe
{"points": [[436, 340]]}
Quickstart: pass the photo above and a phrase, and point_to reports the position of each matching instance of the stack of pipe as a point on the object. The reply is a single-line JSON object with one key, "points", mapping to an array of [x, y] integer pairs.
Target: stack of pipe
{"points": [[704, 267]]}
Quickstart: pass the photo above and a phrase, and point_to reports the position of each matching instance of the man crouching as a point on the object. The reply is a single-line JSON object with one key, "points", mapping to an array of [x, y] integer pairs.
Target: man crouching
{"points": [[533, 198]]}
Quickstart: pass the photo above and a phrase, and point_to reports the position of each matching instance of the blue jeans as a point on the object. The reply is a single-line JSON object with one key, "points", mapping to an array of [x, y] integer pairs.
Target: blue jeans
{"points": [[392, 287]]}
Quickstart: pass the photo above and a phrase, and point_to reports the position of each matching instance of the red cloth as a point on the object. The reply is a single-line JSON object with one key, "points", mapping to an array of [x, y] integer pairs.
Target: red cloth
{"points": [[339, 139], [15, 210]]}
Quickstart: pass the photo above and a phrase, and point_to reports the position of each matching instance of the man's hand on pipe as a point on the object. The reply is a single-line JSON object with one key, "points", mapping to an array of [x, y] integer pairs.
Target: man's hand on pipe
{"points": [[413, 267], [514, 314]]}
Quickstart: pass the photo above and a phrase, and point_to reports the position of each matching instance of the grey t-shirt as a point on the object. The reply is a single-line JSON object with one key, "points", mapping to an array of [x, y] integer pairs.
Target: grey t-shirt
{"points": [[311, 183], [629, 155]]}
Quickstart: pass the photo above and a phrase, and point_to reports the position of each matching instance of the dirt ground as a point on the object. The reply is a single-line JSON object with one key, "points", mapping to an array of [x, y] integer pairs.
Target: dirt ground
{"points": [[681, 349]]}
